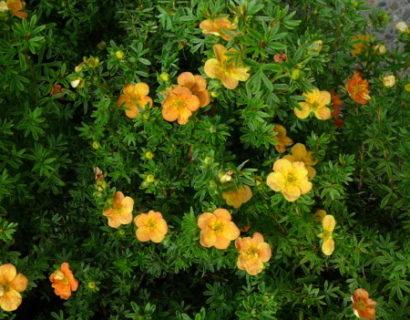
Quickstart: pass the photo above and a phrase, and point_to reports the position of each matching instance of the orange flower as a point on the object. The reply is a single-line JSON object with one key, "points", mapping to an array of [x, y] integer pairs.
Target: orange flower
{"points": [[15, 6], [253, 252], [362, 43], [11, 284], [358, 88], [197, 85], [337, 109], [135, 96], [63, 281], [225, 68], [217, 229], [315, 101], [237, 197], [363, 306], [299, 153], [282, 141], [179, 104], [151, 226], [217, 27], [56, 89], [121, 210]]}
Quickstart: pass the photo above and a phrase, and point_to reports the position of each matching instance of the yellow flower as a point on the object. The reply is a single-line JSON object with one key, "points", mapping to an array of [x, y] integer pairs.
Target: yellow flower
{"points": [[362, 43], [402, 26], [253, 252], [299, 153], [120, 55], [150, 226], [289, 178], [236, 198], [380, 48], [217, 229], [179, 105], [224, 68], [282, 140], [134, 97], [315, 101], [217, 27], [121, 210], [328, 225], [11, 284], [389, 81]]}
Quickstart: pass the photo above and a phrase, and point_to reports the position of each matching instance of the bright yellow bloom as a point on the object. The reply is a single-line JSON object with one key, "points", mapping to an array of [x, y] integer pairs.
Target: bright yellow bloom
{"points": [[11, 284], [236, 198], [253, 252], [299, 153], [328, 225], [217, 27], [150, 226], [121, 210], [289, 178], [315, 101], [134, 97], [217, 229], [282, 140], [224, 68], [362, 43]]}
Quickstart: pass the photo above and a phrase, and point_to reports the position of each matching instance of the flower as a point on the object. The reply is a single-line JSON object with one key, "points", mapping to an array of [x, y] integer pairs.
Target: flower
{"points": [[320, 214], [63, 281], [179, 104], [217, 27], [299, 153], [289, 178], [225, 68], [363, 306], [150, 226], [389, 81], [98, 174], [401, 26], [134, 97], [253, 252], [380, 48], [164, 76], [317, 45], [361, 43], [328, 225], [280, 57], [77, 82], [237, 197], [15, 6], [119, 54], [11, 284], [121, 210], [197, 85], [282, 141], [358, 88], [56, 89], [315, 101], [337, 104], [217, 229]]}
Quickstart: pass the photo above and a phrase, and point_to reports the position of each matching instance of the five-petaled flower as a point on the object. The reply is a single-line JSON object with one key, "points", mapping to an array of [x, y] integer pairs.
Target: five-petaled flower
{"points": [[358, 88], [328, 225], [299, 153], [226, 68], [134, 97], [282, 140], [121, 210], [238, 196], [218, 27], [63, 281], [197, 85], [253, 252], [363, 306], [315, 101], [217, 229], [289, 178], [150, 226], [15, 6], [11, 284], [179, 104]]}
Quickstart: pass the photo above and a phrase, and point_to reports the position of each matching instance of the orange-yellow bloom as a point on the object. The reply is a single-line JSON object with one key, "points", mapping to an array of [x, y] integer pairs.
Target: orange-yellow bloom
{"points": [[289, 178], [337, 104], [11, 284], [358, 88], [328, 225], [197, 85], [179, 104], [217, 229], [217, 27], [253, 252], [63, 281], [150, 226], [362, 43], [282, 140], [15, 6], [121, 210], [134, 98], [299, 153], [315, 101], [320, 214], [363, 306], [237, 197], [225, 68]]}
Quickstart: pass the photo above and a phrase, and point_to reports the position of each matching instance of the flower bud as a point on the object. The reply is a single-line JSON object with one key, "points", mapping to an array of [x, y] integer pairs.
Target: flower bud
{"points": [[96, 145], [407, 87], [389, 81], [214, 94], [164, 77], [401, 26], [317, 45], [119, 54], [101, 45], [150, 178], [78, 82], [225, 178], [295, 74], [149, 155], [380, 49]]}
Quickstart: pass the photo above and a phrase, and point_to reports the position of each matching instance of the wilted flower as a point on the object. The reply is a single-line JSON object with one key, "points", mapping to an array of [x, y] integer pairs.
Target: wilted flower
{"points": [[402, 26], [56, 89], [337, 104], [362, 43], [15, 6], [328, 225], [63, 281], [179, 104], [225, 68], [11, 284], [282, 140], [389, 81], [197, 85], [380, 48], [358, 88], [150, 226], [134, 97], [77, 83], [289, 178], [121, 210], [315, 101], [237, 197], [363, 306], [299, 153], [280, 57], [217, 27], [253, 252]]}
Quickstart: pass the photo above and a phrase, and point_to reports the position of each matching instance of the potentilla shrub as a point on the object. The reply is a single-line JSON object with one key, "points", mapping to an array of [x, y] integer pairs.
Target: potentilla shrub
{"points": [[203, 160]]}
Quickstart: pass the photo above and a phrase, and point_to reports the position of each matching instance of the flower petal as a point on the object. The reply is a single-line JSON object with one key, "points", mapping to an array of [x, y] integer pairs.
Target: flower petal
{"points": [[7, 273], [211, 68], [11, 300], [186, 79], [304, 110]]}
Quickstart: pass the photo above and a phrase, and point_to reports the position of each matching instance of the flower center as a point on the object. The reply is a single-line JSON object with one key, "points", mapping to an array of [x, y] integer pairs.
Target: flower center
{"points": [[179, 103], [314, 105], [252, 252], [217, 226], [151, 224], [360, 305], [291, 178]]}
